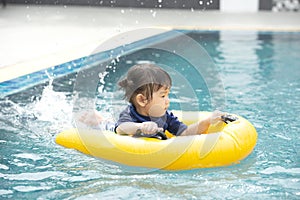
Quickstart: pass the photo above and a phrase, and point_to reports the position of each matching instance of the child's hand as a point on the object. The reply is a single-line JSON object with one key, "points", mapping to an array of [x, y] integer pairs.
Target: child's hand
{"points": [[216, 117], [149, 128], [90, 118]]}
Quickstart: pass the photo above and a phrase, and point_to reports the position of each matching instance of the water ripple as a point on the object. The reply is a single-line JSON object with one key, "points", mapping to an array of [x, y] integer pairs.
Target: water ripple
{"points": [[31, 188], [36, 176]]}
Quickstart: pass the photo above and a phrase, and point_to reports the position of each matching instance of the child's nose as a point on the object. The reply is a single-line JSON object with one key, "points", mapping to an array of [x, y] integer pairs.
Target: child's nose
{"points": [[167, 100]]}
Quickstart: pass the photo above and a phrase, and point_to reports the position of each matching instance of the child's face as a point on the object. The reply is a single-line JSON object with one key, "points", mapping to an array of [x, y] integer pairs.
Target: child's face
{"points": [[159, 104]]}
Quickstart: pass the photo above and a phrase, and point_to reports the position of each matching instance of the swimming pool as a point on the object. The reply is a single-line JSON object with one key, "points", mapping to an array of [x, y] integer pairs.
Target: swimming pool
{"points": [[260, 78]]}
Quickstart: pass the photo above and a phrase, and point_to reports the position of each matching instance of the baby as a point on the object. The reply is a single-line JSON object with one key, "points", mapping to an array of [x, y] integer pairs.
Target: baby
{"points": [[147, 87]]}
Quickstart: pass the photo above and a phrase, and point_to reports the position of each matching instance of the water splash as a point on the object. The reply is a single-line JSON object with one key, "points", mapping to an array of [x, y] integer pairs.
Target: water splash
{"points": [[53, 107], [42, 117]]}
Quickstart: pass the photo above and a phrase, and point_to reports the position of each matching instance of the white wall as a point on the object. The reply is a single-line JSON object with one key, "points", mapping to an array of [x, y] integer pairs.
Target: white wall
{"points": [[239, 5]]}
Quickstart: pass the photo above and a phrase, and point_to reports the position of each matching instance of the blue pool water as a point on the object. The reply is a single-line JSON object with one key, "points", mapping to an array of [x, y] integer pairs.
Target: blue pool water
{"points": [[260, 75]]}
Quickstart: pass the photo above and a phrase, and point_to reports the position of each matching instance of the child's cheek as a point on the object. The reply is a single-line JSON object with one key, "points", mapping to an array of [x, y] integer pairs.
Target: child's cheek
{"points": [[156, 110]]}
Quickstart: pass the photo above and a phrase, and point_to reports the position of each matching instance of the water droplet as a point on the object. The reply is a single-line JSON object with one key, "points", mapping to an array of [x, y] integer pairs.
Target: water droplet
{"points": [[129, 61], [201, 2], [122, 11], [154, 14], [102, 76], [118, 58], [100, 88]]}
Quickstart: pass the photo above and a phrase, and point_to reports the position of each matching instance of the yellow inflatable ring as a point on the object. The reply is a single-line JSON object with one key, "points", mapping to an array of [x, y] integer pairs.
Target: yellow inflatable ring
{"points": [[224, 144]]}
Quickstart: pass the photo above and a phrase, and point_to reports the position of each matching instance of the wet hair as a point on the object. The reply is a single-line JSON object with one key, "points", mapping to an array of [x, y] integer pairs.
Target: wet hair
{"points": [[144, 79]]}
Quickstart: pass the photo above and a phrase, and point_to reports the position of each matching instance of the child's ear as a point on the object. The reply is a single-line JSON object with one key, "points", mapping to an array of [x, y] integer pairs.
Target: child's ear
{"points": [[141, 100]]}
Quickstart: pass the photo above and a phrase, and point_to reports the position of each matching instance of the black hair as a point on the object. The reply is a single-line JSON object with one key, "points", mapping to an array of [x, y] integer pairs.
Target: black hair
{"points": [[144, 79]]}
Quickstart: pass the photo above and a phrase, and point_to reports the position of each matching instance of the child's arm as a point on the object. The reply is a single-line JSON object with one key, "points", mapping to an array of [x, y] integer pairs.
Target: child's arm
{"points": [[202, 126], [131, 128], [127, 128], [197, 128]]}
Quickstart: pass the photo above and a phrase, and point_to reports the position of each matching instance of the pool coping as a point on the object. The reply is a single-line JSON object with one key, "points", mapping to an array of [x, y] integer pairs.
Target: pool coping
{"points": [[99, 55], [44, 62]]}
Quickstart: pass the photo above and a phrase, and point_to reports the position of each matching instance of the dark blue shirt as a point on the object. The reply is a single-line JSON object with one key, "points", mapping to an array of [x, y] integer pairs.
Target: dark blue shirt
{"points": [[167, 122]]}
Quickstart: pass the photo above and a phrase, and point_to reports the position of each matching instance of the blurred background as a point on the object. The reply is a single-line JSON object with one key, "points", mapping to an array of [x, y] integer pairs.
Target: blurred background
{"points": [[223, 5], [38, 34]]}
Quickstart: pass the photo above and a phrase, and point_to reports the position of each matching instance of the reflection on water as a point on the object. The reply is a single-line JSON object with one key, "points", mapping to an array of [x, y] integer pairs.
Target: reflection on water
{"points": [[260, 73]]}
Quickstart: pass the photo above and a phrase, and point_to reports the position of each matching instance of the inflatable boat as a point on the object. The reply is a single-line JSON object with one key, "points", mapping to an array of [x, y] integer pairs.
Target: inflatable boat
{"points": [[224, 144]]}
